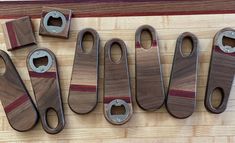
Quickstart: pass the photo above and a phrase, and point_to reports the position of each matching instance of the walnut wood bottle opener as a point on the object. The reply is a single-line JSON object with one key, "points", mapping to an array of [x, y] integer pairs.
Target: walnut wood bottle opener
{"points": [[117, 90], [58, 27], [149, 81], [181, 99], [221, 71], [83, 93], [19, 108], [45, 82]]}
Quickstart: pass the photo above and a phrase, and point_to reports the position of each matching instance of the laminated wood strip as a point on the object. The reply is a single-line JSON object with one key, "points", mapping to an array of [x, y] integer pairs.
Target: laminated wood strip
{"points": [[181, 98], [46, 89], [150, 93], [83, 93], [19, 108], [94, 8]]}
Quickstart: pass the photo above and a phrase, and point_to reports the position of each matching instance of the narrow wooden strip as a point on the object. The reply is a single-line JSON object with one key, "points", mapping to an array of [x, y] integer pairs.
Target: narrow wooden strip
{"points": [[11, 34], [83, 88], [182, 93], [22, 99], [108, 99], [43, 75]]}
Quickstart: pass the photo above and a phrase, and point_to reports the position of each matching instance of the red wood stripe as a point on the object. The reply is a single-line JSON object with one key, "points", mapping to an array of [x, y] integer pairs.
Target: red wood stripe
{"points": [[154, 44], [138, 45], [12, 35], [217, 49], [182, 93], [42, 75], [19, 101], [108, 99], [83, 88]]}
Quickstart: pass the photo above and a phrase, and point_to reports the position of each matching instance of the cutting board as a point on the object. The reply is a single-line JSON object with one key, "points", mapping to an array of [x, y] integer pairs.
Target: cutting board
{"points": [[148, 127]]}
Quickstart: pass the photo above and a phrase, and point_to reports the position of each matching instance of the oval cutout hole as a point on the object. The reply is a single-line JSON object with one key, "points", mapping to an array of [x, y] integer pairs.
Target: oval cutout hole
{"points": [[87, 42], [228, 41], [217, 97], [187, 46], [52, 118], [2, 66], [54, 21], [42, 61], [146, 39], [118, 110], [116, 53]]}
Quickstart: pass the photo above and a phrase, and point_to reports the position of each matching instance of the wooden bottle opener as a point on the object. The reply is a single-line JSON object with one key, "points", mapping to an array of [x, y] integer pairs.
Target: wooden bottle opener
{"points": [[83, 93], [17, 103], [181, 99], [117, 90], [222, 69], [42, 67], [149, 81]]}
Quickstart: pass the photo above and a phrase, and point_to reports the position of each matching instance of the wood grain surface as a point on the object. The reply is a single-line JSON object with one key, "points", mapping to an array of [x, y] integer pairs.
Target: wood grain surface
{"points": [[182, 90], [150, 94], [83, 91], [146, 127], [18, 33], [221, 71], [47, 92]]}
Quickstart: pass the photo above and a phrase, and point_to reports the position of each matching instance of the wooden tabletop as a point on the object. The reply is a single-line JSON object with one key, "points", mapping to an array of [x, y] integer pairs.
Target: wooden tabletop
{"points": [[146, 127]]}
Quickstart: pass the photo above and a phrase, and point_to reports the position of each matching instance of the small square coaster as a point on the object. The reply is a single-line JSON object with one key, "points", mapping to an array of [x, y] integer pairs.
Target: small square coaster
{"points": [[18, 33], [55, 22]]}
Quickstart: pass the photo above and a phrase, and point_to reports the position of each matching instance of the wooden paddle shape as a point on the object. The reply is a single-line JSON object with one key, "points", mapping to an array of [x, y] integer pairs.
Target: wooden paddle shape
{"points": [[42, 67], [149, 81], [181, 99], [117, 90], [19, 108], [222, 69], [83, 93]]}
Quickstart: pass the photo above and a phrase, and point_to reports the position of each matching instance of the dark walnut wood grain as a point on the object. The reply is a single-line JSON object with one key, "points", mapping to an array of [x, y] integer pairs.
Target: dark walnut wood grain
{"points": [[56, 21], [18, 106], [83, 92], [117, 90], [46, 87], [95, 8], [149, 81], [182, 91], [222, 69], [18, 33]]}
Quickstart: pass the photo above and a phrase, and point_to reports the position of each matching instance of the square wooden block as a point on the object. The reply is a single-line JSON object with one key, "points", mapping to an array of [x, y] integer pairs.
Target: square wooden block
{"points": [[18, 33], [55, 22]]}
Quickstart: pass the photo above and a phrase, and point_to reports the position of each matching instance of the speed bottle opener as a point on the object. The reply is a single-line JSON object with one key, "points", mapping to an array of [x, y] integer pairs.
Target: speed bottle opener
{"points": [[182, 91], [149, 81], [117, 90], [19, 108], [83, 93], [222, 69], [42, 68]]}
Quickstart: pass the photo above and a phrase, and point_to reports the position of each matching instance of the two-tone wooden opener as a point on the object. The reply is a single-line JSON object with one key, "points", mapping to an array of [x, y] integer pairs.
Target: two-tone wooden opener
{"points": [[149, 81], [181, 99], [19, 108], [117, 90], [83, 93], [43, 72], [222, 69]]}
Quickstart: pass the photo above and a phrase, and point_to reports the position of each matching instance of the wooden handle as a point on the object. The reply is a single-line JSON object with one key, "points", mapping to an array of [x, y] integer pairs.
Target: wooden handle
{"points": [[83, 93], [150, 93], [46, 86], [117, 90], [221, 71], [18, 106], [181, 99]]}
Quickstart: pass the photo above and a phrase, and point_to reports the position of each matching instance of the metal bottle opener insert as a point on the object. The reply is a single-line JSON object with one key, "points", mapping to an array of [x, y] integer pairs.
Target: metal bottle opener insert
{"points": [[37, 55], [52, 28], [226, 48]]}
